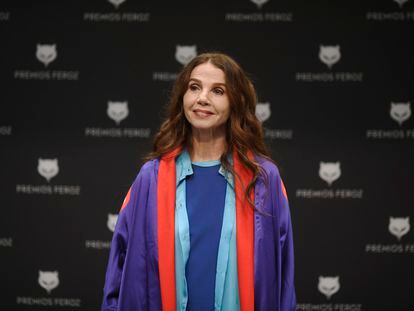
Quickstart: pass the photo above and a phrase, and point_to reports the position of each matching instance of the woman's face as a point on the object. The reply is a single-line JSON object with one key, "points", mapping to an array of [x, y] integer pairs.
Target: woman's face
{"points": [[206, 104]]}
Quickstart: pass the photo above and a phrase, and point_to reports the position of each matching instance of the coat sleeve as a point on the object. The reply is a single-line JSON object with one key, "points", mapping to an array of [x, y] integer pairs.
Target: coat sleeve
{"points": [[119, 246], [287, 294]]}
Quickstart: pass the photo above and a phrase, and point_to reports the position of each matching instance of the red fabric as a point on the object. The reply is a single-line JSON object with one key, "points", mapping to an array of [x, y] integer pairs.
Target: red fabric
{"points": [[126, 200], [284, 189], [165, 216], [245, 234], [165, 228]]}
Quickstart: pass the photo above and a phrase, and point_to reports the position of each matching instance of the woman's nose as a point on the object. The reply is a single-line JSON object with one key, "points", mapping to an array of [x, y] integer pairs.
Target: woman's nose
{"points": [[202, 98]]}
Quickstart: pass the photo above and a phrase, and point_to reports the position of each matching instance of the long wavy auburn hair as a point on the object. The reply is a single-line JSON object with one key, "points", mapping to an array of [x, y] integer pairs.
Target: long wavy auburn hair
{"points": [[243, 130]]}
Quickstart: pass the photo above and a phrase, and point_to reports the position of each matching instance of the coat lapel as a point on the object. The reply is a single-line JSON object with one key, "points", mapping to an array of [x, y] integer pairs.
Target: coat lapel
{"points": [[245, 235], [165, 229]]}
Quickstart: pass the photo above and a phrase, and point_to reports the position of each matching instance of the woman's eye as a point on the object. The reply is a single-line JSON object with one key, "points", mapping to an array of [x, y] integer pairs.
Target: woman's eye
{"points": [[193, 87], [218, 91]]}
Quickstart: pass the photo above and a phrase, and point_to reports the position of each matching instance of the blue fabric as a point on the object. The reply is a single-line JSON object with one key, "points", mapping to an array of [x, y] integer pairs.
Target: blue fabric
{"points": [[226, 281], [205, 194]]}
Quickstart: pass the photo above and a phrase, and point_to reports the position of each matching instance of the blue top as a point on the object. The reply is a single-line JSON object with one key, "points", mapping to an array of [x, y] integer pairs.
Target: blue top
{"points": [[226, 279], [205, 195]]}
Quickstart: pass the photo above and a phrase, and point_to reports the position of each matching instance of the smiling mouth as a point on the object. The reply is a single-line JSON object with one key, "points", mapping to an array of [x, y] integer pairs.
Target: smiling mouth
{"points": [[202, 113]]}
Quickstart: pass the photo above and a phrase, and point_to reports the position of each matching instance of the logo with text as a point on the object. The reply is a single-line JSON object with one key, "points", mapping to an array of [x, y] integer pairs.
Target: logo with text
{"points": [[117, 111], [397, 13], [263, 113], [47, 55], [328, 286], [330, 172], [400, 113], [329, 56], [48, 168], [258, 14], [103, 244], [183, 55], [119, 16], [398, 227], [49, 281]]}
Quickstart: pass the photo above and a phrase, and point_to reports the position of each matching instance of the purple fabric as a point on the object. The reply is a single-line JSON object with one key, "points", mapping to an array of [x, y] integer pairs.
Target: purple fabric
{"points": [[132, 279], [273, 253]]}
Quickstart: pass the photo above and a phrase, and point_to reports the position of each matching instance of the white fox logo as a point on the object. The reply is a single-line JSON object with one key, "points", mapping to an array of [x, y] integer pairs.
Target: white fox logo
{"points": [[117, 111], [329, 55], [400, 112], [111, 222], [48, 168], [46, 53], [184, 54], [329, 171], [328, 285], [263, 111], [48, 280], [399, 226]]}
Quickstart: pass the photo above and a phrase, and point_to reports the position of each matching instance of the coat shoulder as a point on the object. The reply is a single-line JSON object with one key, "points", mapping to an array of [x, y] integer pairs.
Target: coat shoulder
{"points": [[268, 166], [148, 169]]}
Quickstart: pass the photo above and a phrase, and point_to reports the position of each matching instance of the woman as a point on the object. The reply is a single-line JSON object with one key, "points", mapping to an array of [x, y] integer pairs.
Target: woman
{"points": [[206, 224]]}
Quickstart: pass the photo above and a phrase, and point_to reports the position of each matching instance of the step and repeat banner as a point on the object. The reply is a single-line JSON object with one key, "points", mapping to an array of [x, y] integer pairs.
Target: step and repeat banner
{"points": [[83, 90]]}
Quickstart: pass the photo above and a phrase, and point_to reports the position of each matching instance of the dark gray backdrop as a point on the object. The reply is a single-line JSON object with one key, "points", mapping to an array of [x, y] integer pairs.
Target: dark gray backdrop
{"points": [[351, 110]]}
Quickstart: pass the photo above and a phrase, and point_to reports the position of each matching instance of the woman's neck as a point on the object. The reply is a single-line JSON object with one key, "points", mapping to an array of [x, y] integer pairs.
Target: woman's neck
{"points": [[207, 145]]}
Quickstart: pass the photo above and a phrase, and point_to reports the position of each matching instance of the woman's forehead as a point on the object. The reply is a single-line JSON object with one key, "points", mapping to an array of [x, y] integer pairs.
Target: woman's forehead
{"points": [[209, 73]]}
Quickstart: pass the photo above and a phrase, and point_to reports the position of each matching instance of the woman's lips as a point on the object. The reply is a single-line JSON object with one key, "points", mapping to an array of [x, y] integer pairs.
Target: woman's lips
{"points": [[203, 113]]}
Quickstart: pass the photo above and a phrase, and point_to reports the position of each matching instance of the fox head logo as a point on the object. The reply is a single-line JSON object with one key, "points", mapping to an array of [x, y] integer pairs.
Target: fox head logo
{"points": [[111, 222], [46, 53], [328, 285], [400, 112], [263, 111], [48, 168], [185, 53], [329, 55], [399, 226], [117, 111], [48, 280], [329, 171]]}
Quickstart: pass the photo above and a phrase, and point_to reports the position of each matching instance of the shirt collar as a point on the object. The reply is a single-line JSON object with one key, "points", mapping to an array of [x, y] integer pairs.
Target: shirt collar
{"points": [[184, 168]]}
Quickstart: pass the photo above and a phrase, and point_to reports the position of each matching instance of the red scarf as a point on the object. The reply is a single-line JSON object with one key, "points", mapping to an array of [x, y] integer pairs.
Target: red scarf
{"points": [[244, 223]]}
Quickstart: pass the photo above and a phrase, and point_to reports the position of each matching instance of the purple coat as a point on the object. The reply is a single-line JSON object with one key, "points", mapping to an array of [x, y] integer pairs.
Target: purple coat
{"points": [[132, 278]]}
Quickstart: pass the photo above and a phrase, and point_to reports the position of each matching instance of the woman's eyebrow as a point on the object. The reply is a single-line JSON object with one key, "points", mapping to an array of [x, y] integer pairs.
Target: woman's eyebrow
{"points": [[215, 83]]}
